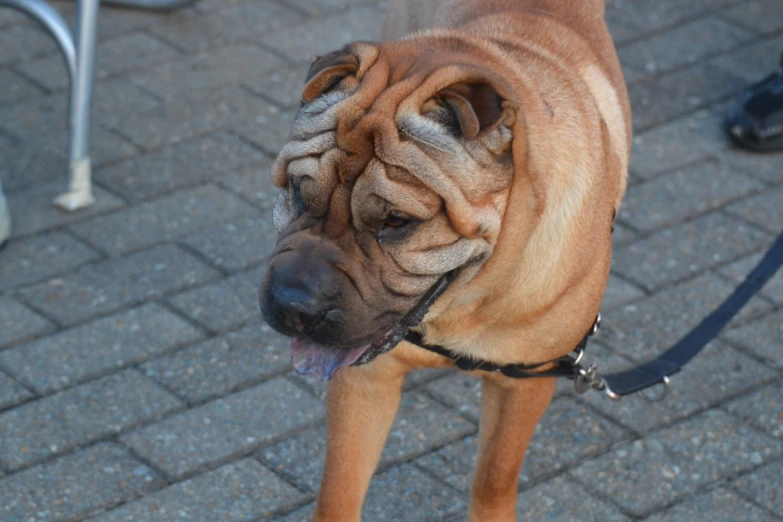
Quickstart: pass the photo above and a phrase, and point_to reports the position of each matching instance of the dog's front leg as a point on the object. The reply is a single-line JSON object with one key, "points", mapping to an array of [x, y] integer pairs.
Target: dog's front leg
{"points": [[510, 410], [361, 403]]}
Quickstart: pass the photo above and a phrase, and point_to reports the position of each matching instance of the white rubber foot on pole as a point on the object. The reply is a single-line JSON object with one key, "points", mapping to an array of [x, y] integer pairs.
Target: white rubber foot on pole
{"points": [[5, 218], [79, 193]]}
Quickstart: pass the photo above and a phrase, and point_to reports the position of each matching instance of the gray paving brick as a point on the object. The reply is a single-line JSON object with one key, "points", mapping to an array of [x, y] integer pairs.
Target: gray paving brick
{"points": [[679, 459], [405, 493], [75, 486], [619, 28], [767, 167], [715, 374], [240, 491], [645, 328], [764, 210], [14, 87], [763, 337], [224, 364], [22, 42], [761, 15], [622, 234], [191, 30], [106, 286], [225, 304], [454, 464], [117, 55], [17, 322], [225, 428], [283, 87], [684, 44], [182, 165], [252, 183], [32, 210], [11, 392], [322, 7], [737, 272], [44, 159], [718, 505], [678, 143], [421, 424], [669, 199], [207, 69], [418, 378], [619, 292], [762, 408], [303, 514], [568, 433], [113, 100], [238, 244], [32, 259], [632, 19], [270, 129], [459, 391], [315, 387], [763, 487], [414, 380], [661, 98], [321, 35], [195, 114], [73, 356], [752, 62], [10, 17], [118, 98], [163, 219], [59, 423], [560, 500], [675, 254], [114, 20]]}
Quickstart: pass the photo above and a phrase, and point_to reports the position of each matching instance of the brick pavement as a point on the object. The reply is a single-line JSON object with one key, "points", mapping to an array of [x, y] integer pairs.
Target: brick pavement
{"points": [[138, 383]]}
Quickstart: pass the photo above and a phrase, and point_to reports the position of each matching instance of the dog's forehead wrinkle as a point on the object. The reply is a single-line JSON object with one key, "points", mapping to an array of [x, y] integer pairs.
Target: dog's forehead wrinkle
{"points": [[376, 182], [427, 131], [405, 284], [440, 260], [324, 102]]}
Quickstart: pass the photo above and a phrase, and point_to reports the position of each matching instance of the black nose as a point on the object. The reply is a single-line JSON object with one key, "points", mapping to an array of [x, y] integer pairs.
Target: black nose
{"points": [[302, 300]]}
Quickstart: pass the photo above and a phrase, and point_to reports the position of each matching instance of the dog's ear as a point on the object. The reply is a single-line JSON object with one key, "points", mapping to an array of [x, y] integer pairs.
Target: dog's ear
{"points": [[478, 108], [339, 69]]}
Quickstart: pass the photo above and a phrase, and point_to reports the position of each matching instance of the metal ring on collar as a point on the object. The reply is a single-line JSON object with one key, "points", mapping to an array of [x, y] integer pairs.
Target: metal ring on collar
{"points": [[656, 398]]}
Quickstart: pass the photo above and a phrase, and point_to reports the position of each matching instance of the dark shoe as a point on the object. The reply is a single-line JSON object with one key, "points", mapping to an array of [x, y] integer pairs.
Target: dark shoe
{"points": [[756, 121]]}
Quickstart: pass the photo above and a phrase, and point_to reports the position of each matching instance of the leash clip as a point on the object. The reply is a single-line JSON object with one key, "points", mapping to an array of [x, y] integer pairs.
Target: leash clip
{"points": [[589, 379]]}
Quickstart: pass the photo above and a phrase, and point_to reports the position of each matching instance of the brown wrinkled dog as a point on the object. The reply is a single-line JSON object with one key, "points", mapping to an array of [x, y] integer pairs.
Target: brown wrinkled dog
{"points": [[491, 147]]}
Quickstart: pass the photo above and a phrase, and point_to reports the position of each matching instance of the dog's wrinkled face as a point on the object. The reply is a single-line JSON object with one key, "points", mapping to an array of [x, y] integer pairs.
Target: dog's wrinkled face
{"points": [[396, 174]]}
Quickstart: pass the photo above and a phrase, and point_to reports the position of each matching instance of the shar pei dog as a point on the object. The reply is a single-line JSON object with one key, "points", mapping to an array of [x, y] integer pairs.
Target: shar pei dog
{"points": [[457, 181]]}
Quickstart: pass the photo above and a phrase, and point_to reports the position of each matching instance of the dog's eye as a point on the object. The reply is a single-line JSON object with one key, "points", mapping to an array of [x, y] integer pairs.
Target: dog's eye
{"points": [[395, 222], [296, 188], [396, 227]]}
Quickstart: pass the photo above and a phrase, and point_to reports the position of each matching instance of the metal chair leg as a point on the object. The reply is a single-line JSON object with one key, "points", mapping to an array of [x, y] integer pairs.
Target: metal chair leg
{"points": [[79, 194], [80, 63], [80, 60], [5, 219]]}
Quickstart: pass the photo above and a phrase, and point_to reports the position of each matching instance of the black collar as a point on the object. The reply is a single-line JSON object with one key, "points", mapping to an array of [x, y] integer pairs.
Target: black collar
{"points": [[566, 366], [644, 376]]}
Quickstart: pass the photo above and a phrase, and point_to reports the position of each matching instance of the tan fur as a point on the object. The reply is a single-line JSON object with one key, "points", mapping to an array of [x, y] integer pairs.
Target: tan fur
{"points": [[531, 196]]}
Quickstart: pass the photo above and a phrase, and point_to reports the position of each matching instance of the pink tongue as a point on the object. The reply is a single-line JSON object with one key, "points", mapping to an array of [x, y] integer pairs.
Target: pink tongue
{"points": [[320, 361]]}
